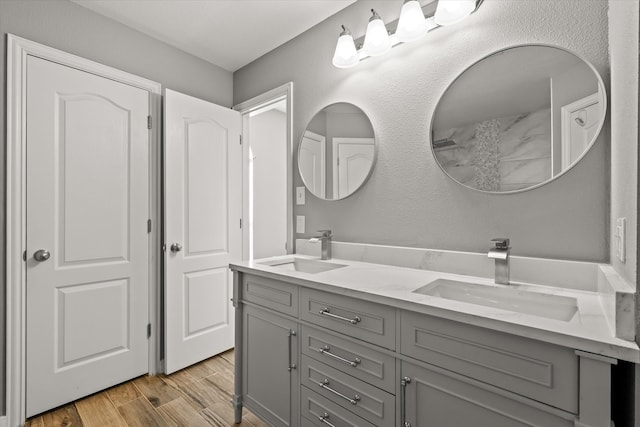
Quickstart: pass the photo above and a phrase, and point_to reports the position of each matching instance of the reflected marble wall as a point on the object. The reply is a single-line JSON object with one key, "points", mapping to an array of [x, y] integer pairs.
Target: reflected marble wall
{"points": [[502, 154]]}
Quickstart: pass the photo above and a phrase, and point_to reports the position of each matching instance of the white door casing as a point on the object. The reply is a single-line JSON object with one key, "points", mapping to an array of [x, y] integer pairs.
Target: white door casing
{"points": [[19, 50], [283, 93], [203, 208], [88, 206], [352, 160], [312, 160]]}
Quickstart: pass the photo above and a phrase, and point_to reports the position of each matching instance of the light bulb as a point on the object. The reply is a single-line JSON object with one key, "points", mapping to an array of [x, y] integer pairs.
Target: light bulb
{"points": [[376, 39], [346, 54], [450, 12], [411, 25]]}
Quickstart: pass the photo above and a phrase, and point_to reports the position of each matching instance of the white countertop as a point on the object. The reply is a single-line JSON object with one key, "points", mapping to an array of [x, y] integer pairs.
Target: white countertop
{"points": [[587, 331]]}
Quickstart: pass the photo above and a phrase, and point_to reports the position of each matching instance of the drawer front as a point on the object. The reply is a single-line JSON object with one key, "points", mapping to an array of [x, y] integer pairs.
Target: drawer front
{"points": [[348, 356], [544, 372], [273, 294], [323, 412], [374, 323], [365, 400]]}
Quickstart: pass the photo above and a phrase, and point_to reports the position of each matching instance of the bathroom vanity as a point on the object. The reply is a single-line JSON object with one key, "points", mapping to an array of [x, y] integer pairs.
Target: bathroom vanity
{"points": [[346, 343]]}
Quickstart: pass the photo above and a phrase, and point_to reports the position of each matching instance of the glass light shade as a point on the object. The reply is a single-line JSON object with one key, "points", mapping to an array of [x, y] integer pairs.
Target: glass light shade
{"points": [[453, 11], [411, 25], [376, 39], [346, 54]]}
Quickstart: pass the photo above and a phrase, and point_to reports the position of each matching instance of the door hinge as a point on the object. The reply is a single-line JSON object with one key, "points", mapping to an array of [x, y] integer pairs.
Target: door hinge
{"points": [[148, 226], [240, 222], [240, 139], [149, 330], [149, 122], [24, 255]]}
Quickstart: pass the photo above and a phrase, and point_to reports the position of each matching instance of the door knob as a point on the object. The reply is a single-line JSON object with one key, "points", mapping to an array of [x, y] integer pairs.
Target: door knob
{"points": [[41, 255], [176, 247]]}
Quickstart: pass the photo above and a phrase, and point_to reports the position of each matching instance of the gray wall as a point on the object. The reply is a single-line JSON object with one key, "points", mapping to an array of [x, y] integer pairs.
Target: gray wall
{"points": [[408, 200], [72, 28]]}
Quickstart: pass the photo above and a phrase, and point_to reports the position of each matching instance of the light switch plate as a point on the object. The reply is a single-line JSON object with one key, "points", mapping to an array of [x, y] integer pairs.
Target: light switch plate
{"points": [[300, 195], [300, 224], [621, 239]]}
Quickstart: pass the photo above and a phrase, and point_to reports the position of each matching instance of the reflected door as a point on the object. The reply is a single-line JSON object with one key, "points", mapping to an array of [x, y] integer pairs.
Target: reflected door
{"points": [[352, 160], [203, 205], [87, 243], [580, 123], [312, 163]]}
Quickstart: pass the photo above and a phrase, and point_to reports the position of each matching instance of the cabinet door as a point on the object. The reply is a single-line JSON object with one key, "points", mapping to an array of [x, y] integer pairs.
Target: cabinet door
{"points": [[270, 359], [436, 398]]}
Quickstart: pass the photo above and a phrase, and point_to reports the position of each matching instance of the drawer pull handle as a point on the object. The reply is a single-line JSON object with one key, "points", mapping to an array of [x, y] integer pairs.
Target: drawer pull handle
{"points": [[327, 312], [403, 401], [324, 418], [326, 350], [325, 385], [292, 365]]}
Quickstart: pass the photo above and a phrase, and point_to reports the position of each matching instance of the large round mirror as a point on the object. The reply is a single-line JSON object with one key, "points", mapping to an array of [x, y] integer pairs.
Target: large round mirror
{"points": [[518, 118], [337, 151]]}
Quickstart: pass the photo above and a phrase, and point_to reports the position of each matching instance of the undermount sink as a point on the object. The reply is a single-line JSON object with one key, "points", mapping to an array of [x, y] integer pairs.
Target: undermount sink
{"points": [[310, 266], [556, 307]]}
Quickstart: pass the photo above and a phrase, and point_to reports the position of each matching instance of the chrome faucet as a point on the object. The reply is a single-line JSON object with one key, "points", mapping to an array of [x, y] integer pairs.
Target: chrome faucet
{"points": [[325, 239], [500, 252]]}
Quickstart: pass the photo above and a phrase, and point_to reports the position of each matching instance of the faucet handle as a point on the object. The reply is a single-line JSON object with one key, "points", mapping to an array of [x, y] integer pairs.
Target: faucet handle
{"points": [[500, 243], [325, 233]]}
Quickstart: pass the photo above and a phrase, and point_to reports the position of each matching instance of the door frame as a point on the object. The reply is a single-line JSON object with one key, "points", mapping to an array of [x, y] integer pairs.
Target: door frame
{"points": [[284, 92], [18, 49]]}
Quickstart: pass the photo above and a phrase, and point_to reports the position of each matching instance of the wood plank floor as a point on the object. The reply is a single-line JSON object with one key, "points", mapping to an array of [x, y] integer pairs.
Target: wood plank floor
{"points": [[199, 395]]}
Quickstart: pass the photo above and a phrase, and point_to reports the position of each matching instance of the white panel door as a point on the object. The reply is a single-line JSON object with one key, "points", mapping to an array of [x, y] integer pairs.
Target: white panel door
{"points": [[312, 163], [353, 158], [87, 242], [203, 207]]}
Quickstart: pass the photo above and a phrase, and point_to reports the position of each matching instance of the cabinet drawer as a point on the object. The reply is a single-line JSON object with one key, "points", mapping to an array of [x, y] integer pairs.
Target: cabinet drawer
{"points": [[316, 408], [364, 320], [273, 294], [362, 399], [544, 372], [350, 357]]}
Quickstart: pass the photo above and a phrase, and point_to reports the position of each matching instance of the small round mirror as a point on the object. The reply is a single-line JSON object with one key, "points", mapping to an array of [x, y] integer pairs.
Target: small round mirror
{"points": [[518, 118], [337, 151]]}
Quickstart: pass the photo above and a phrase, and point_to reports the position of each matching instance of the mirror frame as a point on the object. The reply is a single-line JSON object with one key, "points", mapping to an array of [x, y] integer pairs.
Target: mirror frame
{"points": [[374, 160], [540, 184]]}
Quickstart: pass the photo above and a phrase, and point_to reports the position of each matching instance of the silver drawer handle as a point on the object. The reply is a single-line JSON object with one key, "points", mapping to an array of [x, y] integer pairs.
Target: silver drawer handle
{"points": [[403, 401], [324, 417], [292, 365], [325, 385], [326, 350], [326, 312]]}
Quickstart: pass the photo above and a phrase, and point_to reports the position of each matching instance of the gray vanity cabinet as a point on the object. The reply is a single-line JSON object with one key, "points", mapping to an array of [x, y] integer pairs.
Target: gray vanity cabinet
{"points": [[310, 357], [270, 351], [433, 397]]}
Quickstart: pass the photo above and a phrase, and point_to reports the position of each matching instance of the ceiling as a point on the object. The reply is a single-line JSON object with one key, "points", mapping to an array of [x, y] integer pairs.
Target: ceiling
{"points": [[227, 33]]}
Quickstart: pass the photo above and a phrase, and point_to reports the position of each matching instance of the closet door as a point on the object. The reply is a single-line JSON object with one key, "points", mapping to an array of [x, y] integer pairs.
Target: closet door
{"points": [[87, 258], [203, 208]]}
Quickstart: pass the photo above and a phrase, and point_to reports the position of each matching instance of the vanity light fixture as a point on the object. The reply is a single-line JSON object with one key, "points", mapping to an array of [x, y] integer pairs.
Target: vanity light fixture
{"points": [[376, 40], [415, 21], [346, 54], [451, 12], [411, 24]]}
